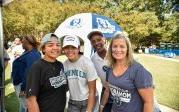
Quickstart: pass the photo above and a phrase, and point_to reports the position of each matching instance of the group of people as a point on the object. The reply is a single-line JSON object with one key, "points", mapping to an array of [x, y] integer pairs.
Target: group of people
{"points": [[41, 82]]}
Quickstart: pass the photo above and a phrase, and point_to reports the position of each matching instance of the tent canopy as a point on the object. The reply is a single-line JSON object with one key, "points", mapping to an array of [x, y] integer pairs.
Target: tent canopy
{"points": [[82, 24]]}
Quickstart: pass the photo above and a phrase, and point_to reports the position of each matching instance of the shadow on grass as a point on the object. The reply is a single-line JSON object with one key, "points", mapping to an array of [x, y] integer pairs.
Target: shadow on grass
{"points": [[11, 103]]}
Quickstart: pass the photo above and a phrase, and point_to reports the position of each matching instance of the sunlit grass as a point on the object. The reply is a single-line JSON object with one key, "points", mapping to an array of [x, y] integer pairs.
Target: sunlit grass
{"points": [[11, 102], [166, 79]]}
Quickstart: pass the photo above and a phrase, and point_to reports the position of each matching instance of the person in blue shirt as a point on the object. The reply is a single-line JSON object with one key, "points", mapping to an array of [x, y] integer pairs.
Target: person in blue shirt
{"points": [[21, 67]]}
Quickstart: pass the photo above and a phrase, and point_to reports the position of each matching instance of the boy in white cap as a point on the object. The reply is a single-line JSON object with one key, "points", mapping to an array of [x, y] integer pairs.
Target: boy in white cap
{"points": [[81, 76], [46, 82]]}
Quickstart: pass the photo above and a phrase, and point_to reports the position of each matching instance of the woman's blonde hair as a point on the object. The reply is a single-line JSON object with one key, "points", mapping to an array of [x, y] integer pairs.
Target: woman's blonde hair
{"points": [[129, 56]]}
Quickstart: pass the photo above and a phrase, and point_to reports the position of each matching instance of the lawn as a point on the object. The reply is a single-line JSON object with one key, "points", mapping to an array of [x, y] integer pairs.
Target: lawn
{"points": [[165, 74], [166, 79], [11, 102]]}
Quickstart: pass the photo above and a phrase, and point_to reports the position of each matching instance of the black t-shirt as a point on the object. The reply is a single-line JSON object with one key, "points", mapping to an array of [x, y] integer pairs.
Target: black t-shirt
{"points": [[48, 83]]}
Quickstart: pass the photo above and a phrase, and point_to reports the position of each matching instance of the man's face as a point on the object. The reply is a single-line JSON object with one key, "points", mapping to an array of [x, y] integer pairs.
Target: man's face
{"points": [[97, 42], [17, 41]]}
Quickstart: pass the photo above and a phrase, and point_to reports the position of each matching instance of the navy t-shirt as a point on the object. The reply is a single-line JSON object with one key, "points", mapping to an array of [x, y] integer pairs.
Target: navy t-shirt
{"points": [[124, 89]]}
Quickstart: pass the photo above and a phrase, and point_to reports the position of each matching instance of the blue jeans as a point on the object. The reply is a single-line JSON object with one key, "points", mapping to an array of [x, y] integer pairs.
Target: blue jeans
{"points": [[77, 106], [81, 106], [22, 102]]}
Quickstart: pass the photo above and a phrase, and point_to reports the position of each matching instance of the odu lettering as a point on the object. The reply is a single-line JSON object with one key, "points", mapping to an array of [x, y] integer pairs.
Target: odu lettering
{"points": [[75, 73]]}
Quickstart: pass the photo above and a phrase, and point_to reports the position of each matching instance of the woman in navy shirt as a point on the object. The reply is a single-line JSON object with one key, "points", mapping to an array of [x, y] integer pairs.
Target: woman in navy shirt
{"points": [[130, 84]]}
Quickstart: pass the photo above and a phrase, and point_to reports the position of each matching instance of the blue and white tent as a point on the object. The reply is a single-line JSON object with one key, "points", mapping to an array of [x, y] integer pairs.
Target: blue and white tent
{"points": [[82, 24]]}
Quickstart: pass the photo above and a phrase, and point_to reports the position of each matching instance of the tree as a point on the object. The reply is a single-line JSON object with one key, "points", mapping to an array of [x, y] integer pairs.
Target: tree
{"points": [[140, 18], [34, 16], [139, 25], [31, 17], [175, 34]]}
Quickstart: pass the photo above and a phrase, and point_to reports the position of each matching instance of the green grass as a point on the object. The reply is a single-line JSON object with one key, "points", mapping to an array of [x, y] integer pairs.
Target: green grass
{"points": [[165, 74], [166, 78], [11, 102]]}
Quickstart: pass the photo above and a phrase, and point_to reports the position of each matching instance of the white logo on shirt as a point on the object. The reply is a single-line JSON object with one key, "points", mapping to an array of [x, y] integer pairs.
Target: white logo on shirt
{"points": [[120, 95], [58, 80]]}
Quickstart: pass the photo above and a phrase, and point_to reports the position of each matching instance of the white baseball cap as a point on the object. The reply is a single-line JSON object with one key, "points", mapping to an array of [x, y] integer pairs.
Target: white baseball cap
{"points": [[71, 40]]}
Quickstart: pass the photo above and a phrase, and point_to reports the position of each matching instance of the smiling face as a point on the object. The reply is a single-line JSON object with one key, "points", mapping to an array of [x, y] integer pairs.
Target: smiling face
{"points": [[71, 52], [51, 49], [98, 42], [119, 49], [17, 41]]}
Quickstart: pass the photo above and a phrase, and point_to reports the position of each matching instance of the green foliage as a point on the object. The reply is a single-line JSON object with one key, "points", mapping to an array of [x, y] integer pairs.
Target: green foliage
{"points": [[138, 24], [140, 18], [31, 17], [139, 5], [168, 28], [176, 32], [34, 16]]}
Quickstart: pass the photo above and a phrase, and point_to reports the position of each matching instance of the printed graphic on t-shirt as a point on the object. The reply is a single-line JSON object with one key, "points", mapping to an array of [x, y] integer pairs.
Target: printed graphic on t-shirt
{"points": [[58, 80], [75, 74], [119, 95]]}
